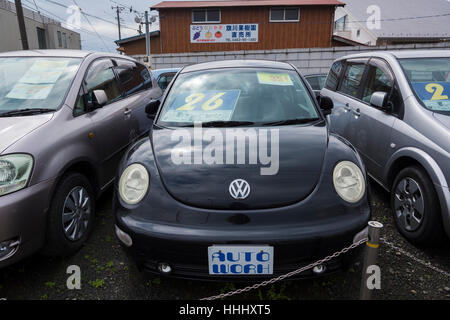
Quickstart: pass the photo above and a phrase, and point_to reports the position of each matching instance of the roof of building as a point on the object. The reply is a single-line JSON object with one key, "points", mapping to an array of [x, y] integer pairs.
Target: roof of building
{"points": [[245, 3], [136, 37], [237, 64], [405, 18]]}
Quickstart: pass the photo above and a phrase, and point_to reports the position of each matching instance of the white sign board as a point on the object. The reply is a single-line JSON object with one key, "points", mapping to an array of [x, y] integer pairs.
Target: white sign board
{"points": [[220, 33]]}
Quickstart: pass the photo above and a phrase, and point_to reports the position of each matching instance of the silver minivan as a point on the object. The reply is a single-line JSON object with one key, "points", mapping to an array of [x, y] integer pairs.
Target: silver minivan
{"points": [[394, 108], [66, 118]]}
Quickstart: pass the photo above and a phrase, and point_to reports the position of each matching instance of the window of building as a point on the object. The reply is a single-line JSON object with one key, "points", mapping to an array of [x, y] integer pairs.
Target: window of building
{"points": [[41, 38], [64, 40], [358, 33], [341, 24], [59, 38], [284, 14], [205, 15]]}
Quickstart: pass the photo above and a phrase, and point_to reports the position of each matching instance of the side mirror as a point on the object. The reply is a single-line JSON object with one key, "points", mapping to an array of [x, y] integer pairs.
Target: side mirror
{"points": [[100, 98], [326, 104], [380, 100], [152, 108]]}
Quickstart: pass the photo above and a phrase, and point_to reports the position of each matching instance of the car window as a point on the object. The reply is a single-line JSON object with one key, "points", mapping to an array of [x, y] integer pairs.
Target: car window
{"points": [[100, 76], [316, 82], [35, 82], [133, 76], [80, 105], [352, 79], [430, 80], [378, 80], [259, 96], [333, 75], [165, 79]]}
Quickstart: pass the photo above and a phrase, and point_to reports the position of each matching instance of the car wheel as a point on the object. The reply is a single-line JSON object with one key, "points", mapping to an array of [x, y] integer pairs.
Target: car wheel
{"points": [[414, 202], [71, 215]]}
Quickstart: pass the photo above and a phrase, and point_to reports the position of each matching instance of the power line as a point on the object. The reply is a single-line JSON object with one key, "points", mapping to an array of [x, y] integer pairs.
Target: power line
{"points": [[88, 14], [92, 26], [68, 24]]}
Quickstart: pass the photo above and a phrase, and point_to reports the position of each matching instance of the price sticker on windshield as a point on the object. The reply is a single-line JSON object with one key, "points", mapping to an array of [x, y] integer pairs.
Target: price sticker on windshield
{"points": [[276, 79], [435, 95], [202, 106]]}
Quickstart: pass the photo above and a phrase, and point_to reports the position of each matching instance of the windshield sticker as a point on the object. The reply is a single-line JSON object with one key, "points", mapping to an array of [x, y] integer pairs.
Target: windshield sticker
{"points": [[45, 71], [276, 79], [204, 106], [26, 91], [435, 95]]}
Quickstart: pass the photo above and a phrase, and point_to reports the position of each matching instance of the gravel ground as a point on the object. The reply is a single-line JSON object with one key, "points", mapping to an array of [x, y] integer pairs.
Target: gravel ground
{"points": [[107, 273]]}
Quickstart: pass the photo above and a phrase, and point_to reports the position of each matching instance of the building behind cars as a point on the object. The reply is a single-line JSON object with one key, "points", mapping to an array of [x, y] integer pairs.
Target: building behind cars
{"points": [[42, 31], [199, 26], [400, 21]]}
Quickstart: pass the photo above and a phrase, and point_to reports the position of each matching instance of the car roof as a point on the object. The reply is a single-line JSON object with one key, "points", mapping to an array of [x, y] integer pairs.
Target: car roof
{"points": [[238, 64], [401, 54], [60, 53]]}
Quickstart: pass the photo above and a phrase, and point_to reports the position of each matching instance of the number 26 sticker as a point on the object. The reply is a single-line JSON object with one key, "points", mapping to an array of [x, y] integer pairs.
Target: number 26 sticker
{"points": [[207, 101]]}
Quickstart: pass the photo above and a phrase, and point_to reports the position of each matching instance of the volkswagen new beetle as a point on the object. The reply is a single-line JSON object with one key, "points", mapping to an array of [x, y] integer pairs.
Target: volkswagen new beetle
{"points": [[240, 178]]}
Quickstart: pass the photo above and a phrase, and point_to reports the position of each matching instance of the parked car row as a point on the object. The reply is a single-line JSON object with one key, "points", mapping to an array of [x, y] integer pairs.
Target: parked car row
{"points": [[394, 108], [73, 123]]}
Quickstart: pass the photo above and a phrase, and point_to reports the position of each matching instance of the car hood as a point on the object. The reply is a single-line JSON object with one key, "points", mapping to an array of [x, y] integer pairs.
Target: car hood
{"points": [[13, 129], [442, 118], [301, 155]]}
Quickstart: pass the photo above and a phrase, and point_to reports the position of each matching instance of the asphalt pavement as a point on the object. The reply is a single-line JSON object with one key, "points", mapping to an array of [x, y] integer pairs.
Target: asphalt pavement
{"points": [[107, 272]]}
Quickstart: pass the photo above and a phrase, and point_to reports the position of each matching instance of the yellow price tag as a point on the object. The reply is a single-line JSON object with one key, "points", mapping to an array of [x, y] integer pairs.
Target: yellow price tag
{"points": [[278, 79]]}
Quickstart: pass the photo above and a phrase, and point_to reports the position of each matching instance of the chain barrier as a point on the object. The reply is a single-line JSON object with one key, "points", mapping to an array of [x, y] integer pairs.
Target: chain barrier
{"points": [[287, 275], [411, 256]]}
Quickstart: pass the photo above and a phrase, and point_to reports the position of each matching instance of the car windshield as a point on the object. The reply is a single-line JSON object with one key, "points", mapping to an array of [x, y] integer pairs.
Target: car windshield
{"points": [[238, 96], [430, 80], [34, 83]]}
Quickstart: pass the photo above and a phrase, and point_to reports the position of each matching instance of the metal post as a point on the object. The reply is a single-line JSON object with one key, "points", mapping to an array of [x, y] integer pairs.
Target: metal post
{"points": [[22, 28], [147, 34], [370, 256], [118, 22]]}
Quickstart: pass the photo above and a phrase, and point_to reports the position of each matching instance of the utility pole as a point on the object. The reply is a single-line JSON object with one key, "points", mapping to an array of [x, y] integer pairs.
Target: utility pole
{"points": [[147, 34], [119, 9], [22, 28]]}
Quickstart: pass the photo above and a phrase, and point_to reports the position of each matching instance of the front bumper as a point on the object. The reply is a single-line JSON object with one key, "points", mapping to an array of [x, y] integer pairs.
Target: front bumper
{"points": [[23, 216], [185, 248]]}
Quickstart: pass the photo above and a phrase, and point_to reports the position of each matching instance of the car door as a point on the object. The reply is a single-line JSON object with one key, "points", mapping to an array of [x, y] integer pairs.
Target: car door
{"points": [[111, 123], [372, 127], [138, 89]]}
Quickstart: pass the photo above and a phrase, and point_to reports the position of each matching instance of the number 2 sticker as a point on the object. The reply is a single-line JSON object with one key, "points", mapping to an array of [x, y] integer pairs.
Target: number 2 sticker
{"points": [[437, 90]]}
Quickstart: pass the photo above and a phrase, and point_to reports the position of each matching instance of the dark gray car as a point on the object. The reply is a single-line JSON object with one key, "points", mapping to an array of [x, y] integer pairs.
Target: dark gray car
{"points": [[394, 108], [65, 119]]}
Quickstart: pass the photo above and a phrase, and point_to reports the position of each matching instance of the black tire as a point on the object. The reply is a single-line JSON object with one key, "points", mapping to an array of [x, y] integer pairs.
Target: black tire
{"points": [[430, 230], [57, 243]]}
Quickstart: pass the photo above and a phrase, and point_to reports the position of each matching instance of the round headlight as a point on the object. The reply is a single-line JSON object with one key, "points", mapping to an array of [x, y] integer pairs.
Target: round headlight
{"points": [[133, 183], [349, 181]]}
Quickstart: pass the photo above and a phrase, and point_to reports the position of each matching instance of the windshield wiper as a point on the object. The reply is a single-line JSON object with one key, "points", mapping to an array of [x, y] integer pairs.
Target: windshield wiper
{"points": [[290, 121], [25, 112], [223, 124]]}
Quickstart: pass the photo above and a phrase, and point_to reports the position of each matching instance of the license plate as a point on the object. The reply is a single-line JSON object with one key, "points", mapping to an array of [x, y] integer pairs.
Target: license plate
{"points": [[240, 260]]}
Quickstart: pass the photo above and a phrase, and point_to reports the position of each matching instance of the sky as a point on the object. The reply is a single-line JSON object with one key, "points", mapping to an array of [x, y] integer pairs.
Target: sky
{"points": [[99, 25]]}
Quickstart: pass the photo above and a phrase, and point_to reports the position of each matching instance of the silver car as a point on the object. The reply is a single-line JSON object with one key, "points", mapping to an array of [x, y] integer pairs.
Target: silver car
{"points": [[66, 117], [394, 108]]}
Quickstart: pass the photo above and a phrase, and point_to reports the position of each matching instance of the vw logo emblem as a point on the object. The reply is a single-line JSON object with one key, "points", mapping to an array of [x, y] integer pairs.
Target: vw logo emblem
{"points": [[239, 189]]}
